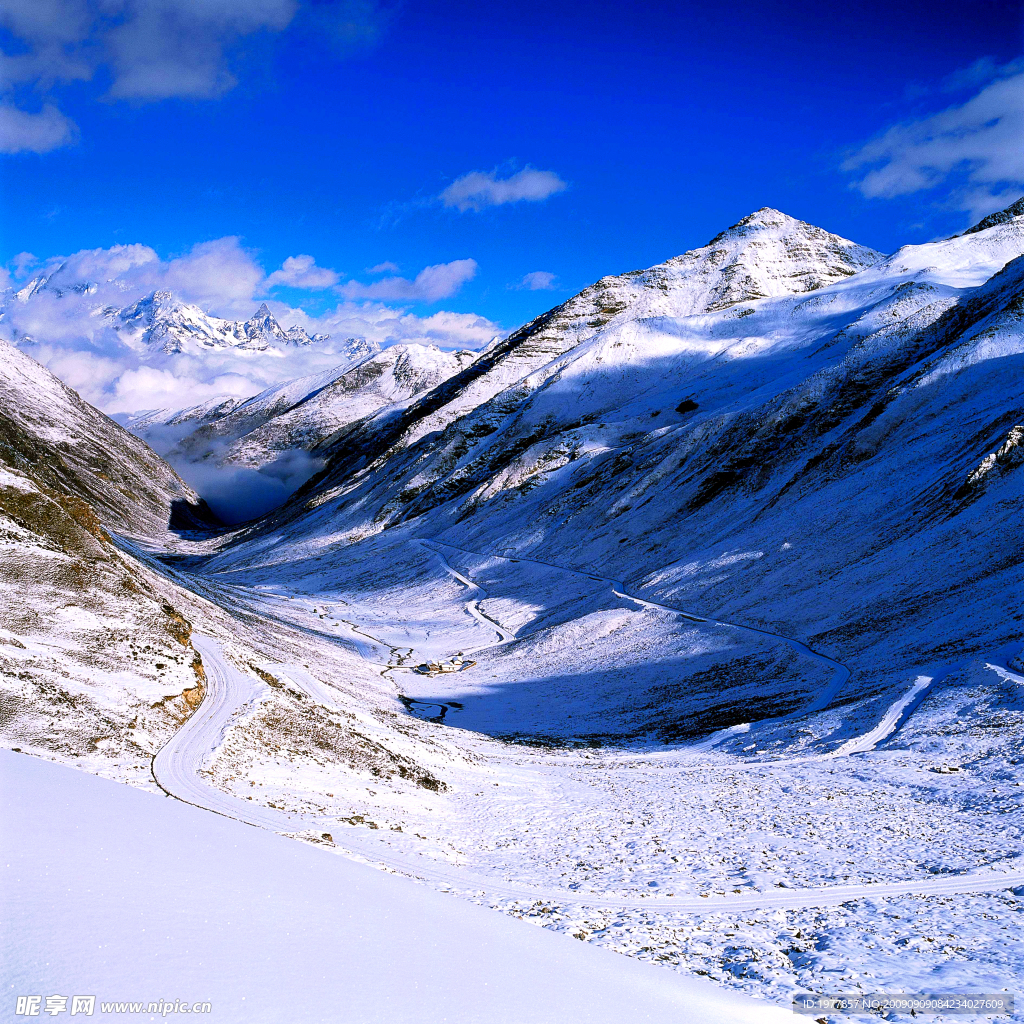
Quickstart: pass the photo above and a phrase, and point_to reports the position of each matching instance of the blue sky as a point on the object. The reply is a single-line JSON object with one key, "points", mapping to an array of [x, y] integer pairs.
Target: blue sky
{"points": [[345, 131]]}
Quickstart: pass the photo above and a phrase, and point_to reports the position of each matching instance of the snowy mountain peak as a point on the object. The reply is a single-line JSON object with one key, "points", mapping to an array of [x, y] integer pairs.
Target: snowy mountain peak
{"points": [[56, 283], [262, 329], [769, 253], [766, 217], [150, 307], [765, 255], [33, 287]]}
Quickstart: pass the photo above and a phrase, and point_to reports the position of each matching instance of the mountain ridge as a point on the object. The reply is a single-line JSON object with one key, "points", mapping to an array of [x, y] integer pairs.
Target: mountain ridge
{"points": [[701, 588], [162, 319], [732, 281]]}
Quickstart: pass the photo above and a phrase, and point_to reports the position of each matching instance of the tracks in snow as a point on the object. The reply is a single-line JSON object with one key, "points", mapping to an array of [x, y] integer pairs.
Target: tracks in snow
{"points": [[892, 718], [473, 604], [840, 672]]}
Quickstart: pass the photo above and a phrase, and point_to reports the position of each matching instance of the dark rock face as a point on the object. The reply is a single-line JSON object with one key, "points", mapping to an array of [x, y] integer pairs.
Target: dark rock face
{"points": [[1000, 217]]}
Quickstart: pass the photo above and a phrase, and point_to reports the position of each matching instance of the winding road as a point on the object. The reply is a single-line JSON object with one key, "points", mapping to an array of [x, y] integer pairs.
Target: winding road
{"points": [[179, 765], [473, 604], [179, 768], [821, 700]]}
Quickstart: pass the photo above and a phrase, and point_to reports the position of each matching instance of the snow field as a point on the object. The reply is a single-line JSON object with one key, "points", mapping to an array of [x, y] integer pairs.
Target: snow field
{"points": [[189, 905]]}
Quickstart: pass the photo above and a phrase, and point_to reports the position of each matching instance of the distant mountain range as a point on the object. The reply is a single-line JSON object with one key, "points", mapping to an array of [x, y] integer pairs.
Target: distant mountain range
{"points": [[188, 348], [163, 320]]}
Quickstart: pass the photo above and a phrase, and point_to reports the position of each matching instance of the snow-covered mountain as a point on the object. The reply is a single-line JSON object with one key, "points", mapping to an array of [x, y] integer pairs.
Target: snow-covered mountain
{"points": [[685, 620], [93, 652], [219, 444], [311, 411], [145, 354], [164, 321], [765, 254], [729, 429]]}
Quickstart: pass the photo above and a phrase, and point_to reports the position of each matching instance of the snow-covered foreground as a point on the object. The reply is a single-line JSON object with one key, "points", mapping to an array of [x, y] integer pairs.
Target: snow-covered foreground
{"points": [[127, 896], [181, 770], [809, 852]]}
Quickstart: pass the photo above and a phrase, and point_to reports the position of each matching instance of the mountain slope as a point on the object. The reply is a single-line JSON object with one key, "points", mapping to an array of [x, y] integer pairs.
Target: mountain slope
{"points": [[734, 457], [318, 410], [95, 662], [766, 253], [66, 445]]}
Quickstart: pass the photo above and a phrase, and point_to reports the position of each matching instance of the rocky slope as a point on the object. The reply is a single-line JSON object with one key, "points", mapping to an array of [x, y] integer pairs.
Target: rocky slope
{"points": [[95, 660], [765, 254], [67, 446]]}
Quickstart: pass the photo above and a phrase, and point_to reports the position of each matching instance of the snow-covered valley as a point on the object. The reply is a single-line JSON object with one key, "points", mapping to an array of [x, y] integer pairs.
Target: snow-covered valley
{"points": [[728, 552]]}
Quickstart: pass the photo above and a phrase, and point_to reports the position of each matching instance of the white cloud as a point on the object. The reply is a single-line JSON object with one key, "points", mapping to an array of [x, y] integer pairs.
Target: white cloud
{"points": [[479, 190], [148, 387], [22, 132], [150, 49], [23, 263], [387, 267], [217, 275], [536, 281], [981, 71], [165, 48], [387, 325], [302, 272], [52, 32], [220, 276], [974, 148], [153, 49], [430, 285]]}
